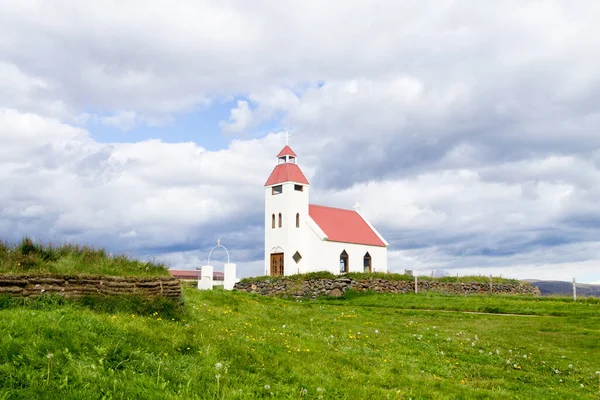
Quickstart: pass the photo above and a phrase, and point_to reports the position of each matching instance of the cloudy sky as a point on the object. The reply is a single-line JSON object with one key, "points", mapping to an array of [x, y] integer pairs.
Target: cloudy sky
{"points": [[468, 130]]}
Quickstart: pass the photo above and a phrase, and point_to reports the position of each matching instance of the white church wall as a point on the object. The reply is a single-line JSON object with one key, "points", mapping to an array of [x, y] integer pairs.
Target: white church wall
{"points": [[326, 256]]}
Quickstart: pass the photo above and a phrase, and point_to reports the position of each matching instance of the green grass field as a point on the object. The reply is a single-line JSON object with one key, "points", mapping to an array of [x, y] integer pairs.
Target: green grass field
{"points": [[231, 345], [36, 258]]}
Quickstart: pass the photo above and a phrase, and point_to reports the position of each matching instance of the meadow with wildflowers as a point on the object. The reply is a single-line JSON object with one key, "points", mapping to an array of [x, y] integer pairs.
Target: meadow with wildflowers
{"points": [[231, 345]]}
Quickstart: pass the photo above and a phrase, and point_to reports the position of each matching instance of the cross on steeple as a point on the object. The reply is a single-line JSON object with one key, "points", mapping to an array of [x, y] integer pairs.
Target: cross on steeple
{"points": [[287, 138], [357, 206]]}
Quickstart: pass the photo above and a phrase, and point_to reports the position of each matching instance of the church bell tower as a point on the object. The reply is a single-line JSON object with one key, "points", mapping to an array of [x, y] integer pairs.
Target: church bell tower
{"points": [[286, 210]]}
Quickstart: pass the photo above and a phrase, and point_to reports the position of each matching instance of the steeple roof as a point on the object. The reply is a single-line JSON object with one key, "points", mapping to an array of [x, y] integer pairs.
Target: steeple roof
{"points": [[287, 170], [286, 173], [287, 151]]}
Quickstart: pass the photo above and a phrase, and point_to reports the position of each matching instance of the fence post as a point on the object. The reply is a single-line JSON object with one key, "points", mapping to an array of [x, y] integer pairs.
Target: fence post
{"points": [[416, 285], [574, 291], [490, 283]]}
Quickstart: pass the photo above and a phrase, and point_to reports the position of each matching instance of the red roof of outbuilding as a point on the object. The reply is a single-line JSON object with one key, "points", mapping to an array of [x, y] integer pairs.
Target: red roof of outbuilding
{"points": [[344, 225], [193, 274], [287, 151], [287, 172]]}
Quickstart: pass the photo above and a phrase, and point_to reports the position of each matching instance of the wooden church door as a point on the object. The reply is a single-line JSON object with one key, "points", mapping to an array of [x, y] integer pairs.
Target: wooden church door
{"points": [[277, 264]]}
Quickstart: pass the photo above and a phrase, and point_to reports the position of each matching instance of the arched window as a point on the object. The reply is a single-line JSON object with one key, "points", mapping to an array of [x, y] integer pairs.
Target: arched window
{"points": [[367, 266], [343, 262], [273, 221], [297, 220], [280, 220]]}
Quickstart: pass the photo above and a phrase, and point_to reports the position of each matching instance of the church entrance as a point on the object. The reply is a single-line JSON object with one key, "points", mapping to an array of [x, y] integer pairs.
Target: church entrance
{"points": [[277, 264]]}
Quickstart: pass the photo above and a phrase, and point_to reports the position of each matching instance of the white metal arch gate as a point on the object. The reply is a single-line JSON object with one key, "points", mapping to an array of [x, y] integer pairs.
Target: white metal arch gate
{"points": [[205, 282]]}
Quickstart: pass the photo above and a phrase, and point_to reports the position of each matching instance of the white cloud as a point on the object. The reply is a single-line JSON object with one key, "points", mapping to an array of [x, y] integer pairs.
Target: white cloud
{"points": [[124, 120], [240, 119], [58, 183], [468, 131]]}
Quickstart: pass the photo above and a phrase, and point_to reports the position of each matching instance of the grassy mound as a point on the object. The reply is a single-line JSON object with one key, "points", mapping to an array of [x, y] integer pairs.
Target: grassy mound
{"points": [[35, 258], [232, 345]]}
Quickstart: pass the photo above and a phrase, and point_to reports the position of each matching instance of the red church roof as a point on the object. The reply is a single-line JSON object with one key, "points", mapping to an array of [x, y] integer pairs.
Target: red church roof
{"points": [[287, 172], [344, 225], [287, 151]]}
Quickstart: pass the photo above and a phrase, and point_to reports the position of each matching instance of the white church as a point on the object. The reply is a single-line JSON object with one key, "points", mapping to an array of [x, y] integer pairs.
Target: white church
{"points": [[302, 237]]}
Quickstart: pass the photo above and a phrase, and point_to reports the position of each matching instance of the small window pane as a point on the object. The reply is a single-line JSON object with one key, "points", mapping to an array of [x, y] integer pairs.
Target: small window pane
{"points": [[297, 257]]}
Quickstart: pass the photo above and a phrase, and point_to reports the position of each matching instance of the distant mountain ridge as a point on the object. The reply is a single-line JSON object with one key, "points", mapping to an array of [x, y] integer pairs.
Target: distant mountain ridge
{"points": [[548, 288]]}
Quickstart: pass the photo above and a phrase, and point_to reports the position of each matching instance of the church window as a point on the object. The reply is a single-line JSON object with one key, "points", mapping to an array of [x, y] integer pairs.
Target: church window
{"points": [[367, 266], [297, 220], [280, 223], [343, 262], [299, 188], [277, 189], [273, 221], [297, 257]]}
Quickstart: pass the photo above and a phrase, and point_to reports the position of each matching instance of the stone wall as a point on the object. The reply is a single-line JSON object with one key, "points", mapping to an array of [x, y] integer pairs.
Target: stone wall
{"points": [[337, 287], [96, 285]]}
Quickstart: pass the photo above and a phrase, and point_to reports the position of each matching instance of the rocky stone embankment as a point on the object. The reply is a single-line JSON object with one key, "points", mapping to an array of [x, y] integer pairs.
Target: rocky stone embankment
{"points": [[82, 285], [337, 287]]}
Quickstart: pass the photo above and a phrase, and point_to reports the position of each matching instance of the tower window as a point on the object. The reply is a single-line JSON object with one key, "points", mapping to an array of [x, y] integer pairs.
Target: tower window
{"points": [[299, 188], [277, 189], [343, 262], [297, 257], [273, 221], [280, 223], [297, 220]]}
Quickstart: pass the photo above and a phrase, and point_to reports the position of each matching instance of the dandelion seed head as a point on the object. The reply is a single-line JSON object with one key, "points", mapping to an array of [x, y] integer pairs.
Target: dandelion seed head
{"points": [[218, 365], [267, 387]]}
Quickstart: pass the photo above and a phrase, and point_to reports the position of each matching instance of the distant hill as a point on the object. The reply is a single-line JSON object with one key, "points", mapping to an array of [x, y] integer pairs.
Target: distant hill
{"points": [[563, 288]]}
